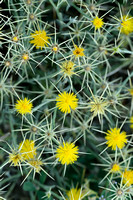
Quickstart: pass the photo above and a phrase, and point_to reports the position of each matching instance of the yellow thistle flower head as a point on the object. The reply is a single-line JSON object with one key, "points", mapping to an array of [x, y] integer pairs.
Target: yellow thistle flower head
{"points": [[15, 38], [55, 48], [74, 194], [131, 91], [67, 68], [40, 39], [78, 51], [98, 23], [66, 102], [115, 168], [127, 25], [27, 149], [115, 138], [23, 106], [15, 158], [25, 57], [67, 153], [36, 164], [131, 121], [128, 177], [98, 106]]}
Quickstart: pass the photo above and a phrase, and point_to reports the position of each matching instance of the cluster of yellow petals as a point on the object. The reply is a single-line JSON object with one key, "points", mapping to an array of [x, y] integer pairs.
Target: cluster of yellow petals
{"points": [[23, 106], [127, 25], [98, 106], [40, 39], [131, 122], [78, 51], [98, 22], [115, 138], [67, 153], [15, 158], [36, 164], [74, 194], [66, 102], [131, 91], [26, 152], [128, 177], [67, 68], [115, 168], [27, 149]]}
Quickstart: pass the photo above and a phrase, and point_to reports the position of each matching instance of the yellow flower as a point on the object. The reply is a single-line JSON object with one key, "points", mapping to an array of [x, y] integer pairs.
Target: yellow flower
{"points": [[97, 22], [127, 25], [115, 168], [25, 57], [131, 91], [128, 177], [23, 106], [55, 48], [115, 138], [27, 149], [67, 153], [98, 106], [66, 102], [131, 121], [78, 52], [15, 38], [40, 39], [36, 164], [15, 158], [74, 194], [67, 68]]}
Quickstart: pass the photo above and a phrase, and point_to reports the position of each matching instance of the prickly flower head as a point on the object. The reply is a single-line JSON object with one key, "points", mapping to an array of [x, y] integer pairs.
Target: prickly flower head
{"points": [[127, 25], [66, 102], [40, 39], [115, 138], [74, 194], [67, 153]]}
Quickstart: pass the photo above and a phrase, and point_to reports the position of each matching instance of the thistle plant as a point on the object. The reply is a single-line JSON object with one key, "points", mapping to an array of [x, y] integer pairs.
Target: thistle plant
{"points": [[66, 99]]}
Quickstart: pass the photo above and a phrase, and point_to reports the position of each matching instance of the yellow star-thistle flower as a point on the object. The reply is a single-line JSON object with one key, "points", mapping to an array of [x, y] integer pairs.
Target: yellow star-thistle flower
{"points": [[131, 91], [27, 149], [67, 153], [78, 51], [36, 164], [127, 25], [25, 57], [67, 68], [40, 39], [115, 168], [128, 177], [66, 102], [98, 106], [55, 48], [131, 121], [15, 38], [23, 106], [74, 194], [115, 138], [15, 158], [98, 23]]}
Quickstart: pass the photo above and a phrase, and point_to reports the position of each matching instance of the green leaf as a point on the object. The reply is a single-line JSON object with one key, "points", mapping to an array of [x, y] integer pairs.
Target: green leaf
{"points": [[43, 177], [28, 186], [40, 194]]}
